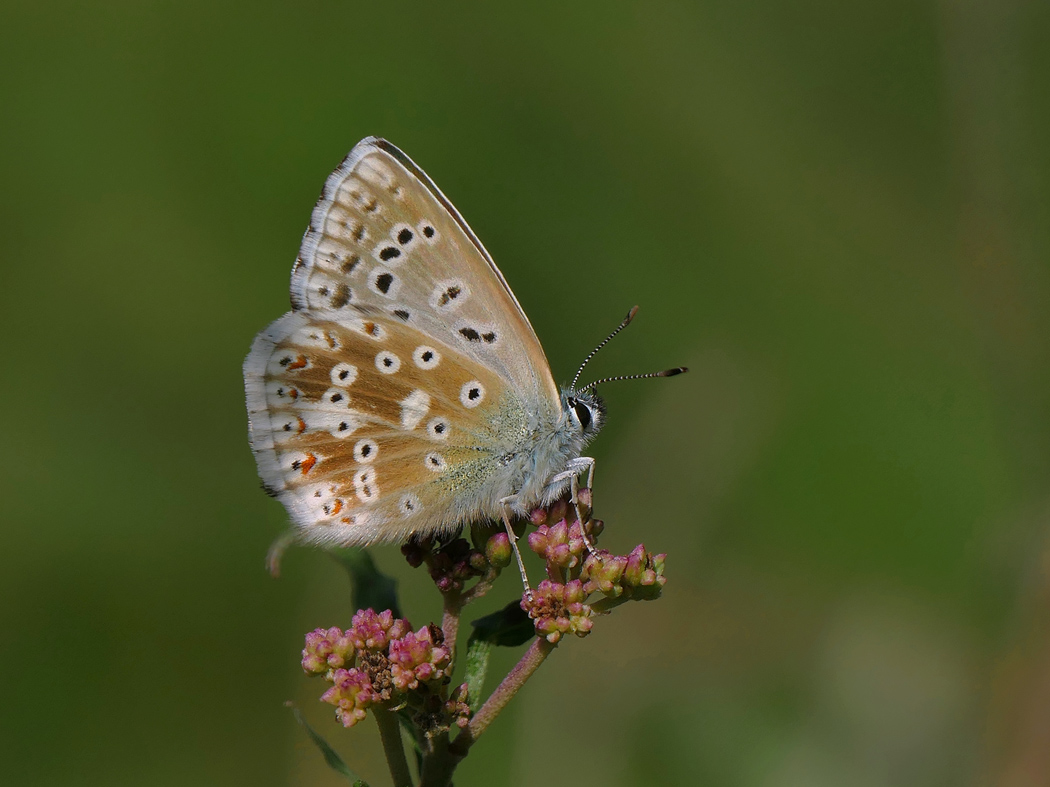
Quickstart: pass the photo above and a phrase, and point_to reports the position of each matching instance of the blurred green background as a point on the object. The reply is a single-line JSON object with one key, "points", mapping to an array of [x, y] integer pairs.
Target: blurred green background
{"points": [[835, 213]]}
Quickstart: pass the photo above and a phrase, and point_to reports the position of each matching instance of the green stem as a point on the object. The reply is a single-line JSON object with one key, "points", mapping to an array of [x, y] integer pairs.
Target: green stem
{"points": [[438, 764], [529, 663], [390, 733]]}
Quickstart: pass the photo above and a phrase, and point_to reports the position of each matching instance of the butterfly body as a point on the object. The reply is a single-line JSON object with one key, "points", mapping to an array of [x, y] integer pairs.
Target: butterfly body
{"points": [[406, 392]]}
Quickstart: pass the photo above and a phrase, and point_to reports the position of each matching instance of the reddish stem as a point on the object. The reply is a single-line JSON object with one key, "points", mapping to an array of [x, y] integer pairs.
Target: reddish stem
{"points": [[529, 663]]}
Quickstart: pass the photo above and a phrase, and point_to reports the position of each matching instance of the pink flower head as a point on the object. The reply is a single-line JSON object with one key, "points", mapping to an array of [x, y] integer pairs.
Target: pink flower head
{"points": [[643, 576], [560, 544], [603, 572], [351, 693], [373, 630], [418, 657], [558, 609], [326, 649]]}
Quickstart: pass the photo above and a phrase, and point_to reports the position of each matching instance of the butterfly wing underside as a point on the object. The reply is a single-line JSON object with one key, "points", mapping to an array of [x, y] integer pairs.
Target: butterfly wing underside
{"points": [[371, 403]]}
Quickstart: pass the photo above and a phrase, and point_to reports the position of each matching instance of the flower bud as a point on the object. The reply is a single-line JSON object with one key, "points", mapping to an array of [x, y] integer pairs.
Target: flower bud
{"points": [[498, 550]]}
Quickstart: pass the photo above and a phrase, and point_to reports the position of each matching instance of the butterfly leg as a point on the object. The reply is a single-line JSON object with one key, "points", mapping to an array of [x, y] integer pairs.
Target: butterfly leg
{"points": [[576, 466], [506, 502]]}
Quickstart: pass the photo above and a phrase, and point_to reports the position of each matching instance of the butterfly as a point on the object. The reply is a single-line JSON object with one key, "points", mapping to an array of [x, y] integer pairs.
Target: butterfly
{"points": [[406, 393]]}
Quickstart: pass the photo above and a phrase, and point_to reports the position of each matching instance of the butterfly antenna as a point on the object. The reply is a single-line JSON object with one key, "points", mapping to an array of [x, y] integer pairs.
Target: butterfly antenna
{"points": [[620, 327], [665, 373]]}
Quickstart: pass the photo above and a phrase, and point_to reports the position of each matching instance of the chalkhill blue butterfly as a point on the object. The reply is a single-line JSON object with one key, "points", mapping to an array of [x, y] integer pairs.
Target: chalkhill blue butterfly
{"points": [[406, 392]]}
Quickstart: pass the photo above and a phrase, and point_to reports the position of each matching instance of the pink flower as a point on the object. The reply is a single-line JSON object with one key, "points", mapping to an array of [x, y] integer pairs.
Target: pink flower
{"points": [[326, 649], [373, 631], [418, 657], [352, 695]]}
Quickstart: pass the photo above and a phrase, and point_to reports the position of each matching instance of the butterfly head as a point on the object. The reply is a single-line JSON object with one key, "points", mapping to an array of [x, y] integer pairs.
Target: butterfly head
{"points": [[585, 411]]}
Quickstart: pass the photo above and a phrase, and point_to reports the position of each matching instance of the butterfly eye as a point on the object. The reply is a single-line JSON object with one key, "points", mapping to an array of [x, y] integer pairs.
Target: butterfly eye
{"points": [[583, 412]]}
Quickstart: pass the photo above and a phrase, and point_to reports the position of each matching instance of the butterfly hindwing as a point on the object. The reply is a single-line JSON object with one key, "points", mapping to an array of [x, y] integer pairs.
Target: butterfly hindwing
{"points": [[366, 428]]}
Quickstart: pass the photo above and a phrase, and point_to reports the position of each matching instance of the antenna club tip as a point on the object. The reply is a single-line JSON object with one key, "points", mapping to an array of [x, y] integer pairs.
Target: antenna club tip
{"points": [[630, 315], [676, 370]]}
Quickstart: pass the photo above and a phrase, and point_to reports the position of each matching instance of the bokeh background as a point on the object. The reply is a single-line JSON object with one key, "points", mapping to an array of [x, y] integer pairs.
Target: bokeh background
{"points": [[836, 213]]}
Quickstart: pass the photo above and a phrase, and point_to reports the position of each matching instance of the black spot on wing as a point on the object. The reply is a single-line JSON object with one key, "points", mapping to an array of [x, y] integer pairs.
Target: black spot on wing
{"points": [[341, 297]]}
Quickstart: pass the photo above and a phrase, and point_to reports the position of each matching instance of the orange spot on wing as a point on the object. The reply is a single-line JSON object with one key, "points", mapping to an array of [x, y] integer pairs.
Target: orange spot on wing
{"points": [[308, 463], [345, 520], [302, 425], [370, 328], [298, 363], [337, 506], [293, 392]]}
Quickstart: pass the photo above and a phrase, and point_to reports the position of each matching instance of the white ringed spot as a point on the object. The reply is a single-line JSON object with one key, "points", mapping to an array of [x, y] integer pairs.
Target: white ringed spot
{"points": [[365, 451], [302, 463], [449, 295], [472, 394], [426, 357], [409, 505], [312, 336], [438, 429], [344, 427], [387, 362], [365, 485], [383, 281], [287, 361], [344, 374], [404, 236], [428, 232], [336, 396], [479, 333], [333, 508], [435, 462]]}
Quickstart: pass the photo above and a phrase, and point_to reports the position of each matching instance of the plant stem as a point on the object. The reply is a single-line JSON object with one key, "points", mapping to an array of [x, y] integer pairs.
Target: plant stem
{"points": [[390, 733], [450, 620], [438, 764], [529, 663]]}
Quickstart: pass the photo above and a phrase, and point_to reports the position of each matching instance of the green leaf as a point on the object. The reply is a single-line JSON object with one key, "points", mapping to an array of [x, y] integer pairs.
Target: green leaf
{"points": [[477, 665], [331, 758], [369, 587], [508, 627]]}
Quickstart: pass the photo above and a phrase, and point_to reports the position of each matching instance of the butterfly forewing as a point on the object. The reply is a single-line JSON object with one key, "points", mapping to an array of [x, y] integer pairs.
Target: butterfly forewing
{"points": [[383, 235]]}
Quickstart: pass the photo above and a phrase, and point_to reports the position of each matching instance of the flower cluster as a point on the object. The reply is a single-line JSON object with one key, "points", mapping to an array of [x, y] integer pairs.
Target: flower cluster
{"points": [[453, 564], [576, 570], [378, 660], [418, 657], [558, 609], [381, 662]]}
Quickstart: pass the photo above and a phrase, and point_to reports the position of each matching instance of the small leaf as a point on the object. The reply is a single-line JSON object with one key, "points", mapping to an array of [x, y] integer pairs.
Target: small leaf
{"points": [[369, 587], [507, 627], [477, 665], [331, 758]]}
